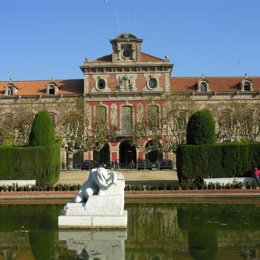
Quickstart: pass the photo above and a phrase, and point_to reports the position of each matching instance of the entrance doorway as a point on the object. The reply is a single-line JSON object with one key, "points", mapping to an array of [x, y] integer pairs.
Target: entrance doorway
{"points": [[127, 155], [102, 156]]}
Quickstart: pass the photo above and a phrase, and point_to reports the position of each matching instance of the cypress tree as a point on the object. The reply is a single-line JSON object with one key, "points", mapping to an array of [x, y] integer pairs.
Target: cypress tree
{"points": [[42, 133], [201, 128]]}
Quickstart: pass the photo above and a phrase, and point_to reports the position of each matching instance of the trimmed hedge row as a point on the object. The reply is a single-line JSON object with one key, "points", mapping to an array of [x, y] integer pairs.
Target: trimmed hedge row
{"points": [[174, 186], [217, 161], [41, 163]]}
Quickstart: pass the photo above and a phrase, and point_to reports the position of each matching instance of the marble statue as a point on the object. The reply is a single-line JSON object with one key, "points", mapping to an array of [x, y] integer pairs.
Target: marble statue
{"points": [[98, 204], [100, 179]]}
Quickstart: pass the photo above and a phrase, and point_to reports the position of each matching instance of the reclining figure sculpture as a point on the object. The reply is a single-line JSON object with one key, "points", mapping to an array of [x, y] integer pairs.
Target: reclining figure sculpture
{"points": [[100, 179], [99, 202]]}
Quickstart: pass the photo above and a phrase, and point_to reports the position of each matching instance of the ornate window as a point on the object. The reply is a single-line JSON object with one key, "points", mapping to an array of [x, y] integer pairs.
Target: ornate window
{"points": [[10, 89], [52, 88], [101, 113], [100, 84], [8, 118], [126, 51], [126, 120], [226, 119], [203, 86], [153, 116], [182, 119], [246, 85], [53, 118], [152, 83]]}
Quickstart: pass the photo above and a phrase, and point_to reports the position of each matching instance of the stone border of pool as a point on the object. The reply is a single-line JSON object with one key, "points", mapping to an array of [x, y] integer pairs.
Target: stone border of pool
{"points": [[53, 195]]}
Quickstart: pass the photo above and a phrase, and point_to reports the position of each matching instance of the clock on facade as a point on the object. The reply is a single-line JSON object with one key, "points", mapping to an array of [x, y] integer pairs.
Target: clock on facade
{"points": [[126, 53]]}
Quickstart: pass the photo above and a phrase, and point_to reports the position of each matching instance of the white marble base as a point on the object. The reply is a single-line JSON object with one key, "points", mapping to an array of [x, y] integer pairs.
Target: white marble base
{"points": [[19, 183], [230, 180], [81, 221], [111, 205]]}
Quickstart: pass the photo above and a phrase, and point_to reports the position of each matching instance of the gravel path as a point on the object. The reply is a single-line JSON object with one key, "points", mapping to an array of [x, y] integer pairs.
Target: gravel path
{"points": [[134, 176]]}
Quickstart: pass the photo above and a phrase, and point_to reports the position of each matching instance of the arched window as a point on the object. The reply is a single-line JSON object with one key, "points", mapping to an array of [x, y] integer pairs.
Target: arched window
{"points": [[8, 118], [101, 113], [246, 85], [53, 116], [225, 119], [10, 90], [51, 90], [126, 120], [153, 116], [203, 86], [182, 119]]}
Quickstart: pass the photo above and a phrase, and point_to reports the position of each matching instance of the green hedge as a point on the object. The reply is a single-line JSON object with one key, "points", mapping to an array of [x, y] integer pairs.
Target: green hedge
{"points": [[201, 128], [42, 133], [217, 161], [41, 163]]}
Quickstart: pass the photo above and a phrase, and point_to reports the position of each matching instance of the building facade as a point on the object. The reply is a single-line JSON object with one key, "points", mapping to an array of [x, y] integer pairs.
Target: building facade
{"points": [[128, 106]]}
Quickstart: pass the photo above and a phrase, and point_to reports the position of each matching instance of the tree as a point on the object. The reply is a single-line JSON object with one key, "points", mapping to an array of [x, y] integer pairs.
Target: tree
{"points": [[177, 110], [238, 121], [201, 128], [147, 128], [70, 130], [42, 133], [22, 128], [98, 134]]}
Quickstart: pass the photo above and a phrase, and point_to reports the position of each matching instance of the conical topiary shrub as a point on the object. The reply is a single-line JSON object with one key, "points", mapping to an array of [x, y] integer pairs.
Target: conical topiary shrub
{"points": [[42, 133], [201, 128]]}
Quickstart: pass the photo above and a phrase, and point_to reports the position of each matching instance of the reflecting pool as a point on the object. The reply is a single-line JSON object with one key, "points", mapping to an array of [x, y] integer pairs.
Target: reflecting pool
{"points": [[155, 231]]}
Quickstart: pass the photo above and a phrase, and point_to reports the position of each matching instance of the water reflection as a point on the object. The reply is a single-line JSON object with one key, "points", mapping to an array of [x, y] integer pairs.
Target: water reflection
{"points": [[108, 245], [193, 231], [155, 231]]}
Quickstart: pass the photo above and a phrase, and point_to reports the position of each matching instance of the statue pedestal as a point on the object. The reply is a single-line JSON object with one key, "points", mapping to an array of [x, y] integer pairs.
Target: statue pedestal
{"points": [[105, 210], [98, 221]]}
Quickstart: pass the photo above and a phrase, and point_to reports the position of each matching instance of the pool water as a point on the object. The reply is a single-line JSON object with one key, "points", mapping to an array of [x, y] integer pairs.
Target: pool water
{"points": [[155, 231]]}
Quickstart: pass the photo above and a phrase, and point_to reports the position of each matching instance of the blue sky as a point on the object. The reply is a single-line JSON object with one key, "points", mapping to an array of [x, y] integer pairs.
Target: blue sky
{"points": [[51, 38]]}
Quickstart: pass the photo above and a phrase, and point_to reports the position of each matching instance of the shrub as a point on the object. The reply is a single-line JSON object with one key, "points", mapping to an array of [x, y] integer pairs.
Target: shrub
{"points": [[201, 128], [40, 163], [211, 186], [254, 185], [248, 185], [42, 133], [218, 186], [217, 161]]}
